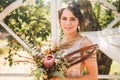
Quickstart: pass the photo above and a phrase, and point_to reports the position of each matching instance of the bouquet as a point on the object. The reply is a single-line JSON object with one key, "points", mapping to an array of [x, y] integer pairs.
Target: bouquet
{"points": [[49, 65], [53, 65]]}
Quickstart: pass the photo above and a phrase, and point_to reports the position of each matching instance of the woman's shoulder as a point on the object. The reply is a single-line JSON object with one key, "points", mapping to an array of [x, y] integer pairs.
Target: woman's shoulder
{"points": [[86, 42]]}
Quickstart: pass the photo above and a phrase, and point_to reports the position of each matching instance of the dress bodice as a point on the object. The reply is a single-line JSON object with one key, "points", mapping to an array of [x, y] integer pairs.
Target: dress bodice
{"points": [[74, 70]]}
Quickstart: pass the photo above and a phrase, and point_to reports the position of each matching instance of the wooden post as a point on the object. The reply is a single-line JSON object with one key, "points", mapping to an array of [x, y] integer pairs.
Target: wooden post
{"points": [[55, 29]]}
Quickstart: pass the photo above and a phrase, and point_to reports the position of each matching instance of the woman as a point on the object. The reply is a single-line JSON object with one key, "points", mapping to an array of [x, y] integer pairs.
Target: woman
{"points": [[70, 19]]}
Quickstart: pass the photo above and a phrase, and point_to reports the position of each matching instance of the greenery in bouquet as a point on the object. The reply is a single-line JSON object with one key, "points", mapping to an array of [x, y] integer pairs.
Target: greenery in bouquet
{"points": [[49, 64]]}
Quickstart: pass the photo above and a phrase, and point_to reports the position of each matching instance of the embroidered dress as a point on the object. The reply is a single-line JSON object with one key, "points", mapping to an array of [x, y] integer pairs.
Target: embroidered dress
{"points": [[74, 70]]}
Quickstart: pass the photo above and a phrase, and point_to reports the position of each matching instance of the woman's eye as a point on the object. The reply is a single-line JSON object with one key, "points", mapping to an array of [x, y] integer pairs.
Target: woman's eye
{"points": [[72, 19]]}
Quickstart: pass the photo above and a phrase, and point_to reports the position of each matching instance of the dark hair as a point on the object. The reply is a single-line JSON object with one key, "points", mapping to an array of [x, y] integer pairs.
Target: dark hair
{"points": [[75, 8]]}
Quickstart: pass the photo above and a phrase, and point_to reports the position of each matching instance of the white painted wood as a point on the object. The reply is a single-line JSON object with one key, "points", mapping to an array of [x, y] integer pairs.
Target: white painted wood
{"points": [[17, 38], [10, 8], [105, 3], [109, 76], [55, 5], [108, 5], [29, 75], [115, 21]]}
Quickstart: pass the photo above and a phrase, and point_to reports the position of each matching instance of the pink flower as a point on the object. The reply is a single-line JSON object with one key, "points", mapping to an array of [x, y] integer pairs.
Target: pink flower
{"points": [[48, 61]]}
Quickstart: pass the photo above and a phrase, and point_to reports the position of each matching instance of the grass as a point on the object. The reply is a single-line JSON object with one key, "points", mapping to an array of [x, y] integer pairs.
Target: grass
{"points": [[115, 68]]}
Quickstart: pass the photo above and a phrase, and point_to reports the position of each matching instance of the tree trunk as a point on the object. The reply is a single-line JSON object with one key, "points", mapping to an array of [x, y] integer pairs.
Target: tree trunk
{"points": [[90, 23]]}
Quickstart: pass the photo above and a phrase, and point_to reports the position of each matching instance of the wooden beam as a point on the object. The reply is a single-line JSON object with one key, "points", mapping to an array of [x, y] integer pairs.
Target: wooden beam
{"points": [[17, 38], [10, 8], [55, 30], [29, 75]]}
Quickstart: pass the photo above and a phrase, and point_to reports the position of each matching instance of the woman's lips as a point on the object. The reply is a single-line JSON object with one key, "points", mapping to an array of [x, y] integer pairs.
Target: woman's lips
{"points": [[67, 28]]}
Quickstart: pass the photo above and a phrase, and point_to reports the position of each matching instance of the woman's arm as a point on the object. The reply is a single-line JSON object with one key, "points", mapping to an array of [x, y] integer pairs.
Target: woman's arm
{"points": [[90, 64], [91, 67]]}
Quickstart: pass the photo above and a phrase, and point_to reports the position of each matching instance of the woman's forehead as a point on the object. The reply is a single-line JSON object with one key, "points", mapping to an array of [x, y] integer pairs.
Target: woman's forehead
{"points": [[67, 12]]}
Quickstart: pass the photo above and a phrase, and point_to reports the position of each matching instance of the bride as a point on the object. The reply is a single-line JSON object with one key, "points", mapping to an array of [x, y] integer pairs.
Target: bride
{"points": [[70, 19]]}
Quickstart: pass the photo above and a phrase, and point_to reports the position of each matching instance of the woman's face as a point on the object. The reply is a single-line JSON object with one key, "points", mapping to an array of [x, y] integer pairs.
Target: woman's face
{"points": [[68, 22]]}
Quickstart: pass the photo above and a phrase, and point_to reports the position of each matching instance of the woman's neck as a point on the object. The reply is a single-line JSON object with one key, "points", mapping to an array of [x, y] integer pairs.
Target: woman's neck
{"points": [[69, 40], [72, 37]]}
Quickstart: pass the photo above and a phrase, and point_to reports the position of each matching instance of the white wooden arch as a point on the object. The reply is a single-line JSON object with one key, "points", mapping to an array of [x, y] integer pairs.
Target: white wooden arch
{"points": [[103, 38]]}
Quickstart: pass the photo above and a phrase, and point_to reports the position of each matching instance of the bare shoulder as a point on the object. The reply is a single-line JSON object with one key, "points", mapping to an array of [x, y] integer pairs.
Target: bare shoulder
{"points": [[86, 42]]}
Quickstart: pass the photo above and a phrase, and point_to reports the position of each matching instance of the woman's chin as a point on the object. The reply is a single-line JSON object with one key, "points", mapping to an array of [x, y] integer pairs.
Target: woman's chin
{"points": [[67, 32]]}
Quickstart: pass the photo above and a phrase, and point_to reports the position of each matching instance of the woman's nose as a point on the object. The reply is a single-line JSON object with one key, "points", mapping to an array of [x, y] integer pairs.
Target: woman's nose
{"points": [[68, 22]]}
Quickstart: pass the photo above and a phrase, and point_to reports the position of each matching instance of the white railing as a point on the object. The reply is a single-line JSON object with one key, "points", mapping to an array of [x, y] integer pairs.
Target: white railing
{"points": [[30, 75]]}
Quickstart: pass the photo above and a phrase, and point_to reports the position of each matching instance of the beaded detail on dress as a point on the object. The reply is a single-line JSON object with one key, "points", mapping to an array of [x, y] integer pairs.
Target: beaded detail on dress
{"points": [[74, 70]]}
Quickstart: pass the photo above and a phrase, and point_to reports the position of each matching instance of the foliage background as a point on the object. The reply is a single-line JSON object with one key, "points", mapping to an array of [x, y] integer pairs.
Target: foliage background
{"points": [[32, 22]]}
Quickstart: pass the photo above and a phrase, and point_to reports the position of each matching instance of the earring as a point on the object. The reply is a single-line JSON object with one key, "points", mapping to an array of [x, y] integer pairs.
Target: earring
{"points": [[78, 28]]}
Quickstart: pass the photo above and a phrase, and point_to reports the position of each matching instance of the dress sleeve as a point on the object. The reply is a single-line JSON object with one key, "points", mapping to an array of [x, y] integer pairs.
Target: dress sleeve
{"points": [[90, 53]]}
